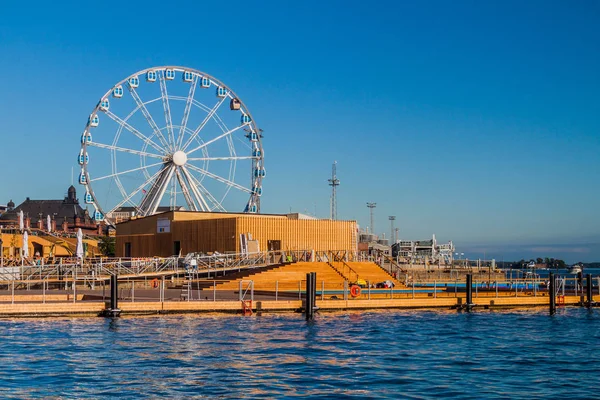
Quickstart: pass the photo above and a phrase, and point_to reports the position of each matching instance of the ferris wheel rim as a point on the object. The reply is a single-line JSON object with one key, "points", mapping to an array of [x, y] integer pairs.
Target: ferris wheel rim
{"points": [[250, 126]]}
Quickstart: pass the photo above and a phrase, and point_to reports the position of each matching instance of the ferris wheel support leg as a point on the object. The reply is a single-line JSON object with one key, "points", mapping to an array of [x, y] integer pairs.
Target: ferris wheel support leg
{"points": [[203, 193], [186, 191], [152, 199], [199, 198]]}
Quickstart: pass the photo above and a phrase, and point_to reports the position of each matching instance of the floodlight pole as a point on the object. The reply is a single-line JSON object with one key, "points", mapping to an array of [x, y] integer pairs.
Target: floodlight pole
{"points": [[371, 207], [392, 218]]}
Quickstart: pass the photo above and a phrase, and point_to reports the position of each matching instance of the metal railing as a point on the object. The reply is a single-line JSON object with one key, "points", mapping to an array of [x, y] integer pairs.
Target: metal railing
{"points": [[345, 270], [78, 288]]}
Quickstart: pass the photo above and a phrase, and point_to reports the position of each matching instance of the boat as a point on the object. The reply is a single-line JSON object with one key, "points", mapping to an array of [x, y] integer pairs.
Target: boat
{"points": [[575, 269]]}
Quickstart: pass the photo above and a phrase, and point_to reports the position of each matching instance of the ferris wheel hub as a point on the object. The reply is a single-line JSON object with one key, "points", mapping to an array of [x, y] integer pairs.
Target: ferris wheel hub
{"points": [[179, 158]]}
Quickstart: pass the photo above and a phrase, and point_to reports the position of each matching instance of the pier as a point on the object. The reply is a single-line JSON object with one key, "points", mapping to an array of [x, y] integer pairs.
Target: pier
{"points": [[265, 282], [34, 308]]}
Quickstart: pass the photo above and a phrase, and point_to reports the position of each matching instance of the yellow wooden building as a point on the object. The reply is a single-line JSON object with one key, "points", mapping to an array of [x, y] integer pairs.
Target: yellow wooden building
{"points": [[182, 232], [41, 245]]}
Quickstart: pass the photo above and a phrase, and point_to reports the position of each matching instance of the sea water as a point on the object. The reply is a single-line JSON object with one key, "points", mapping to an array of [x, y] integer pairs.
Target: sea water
{"points": [[384, 354]]}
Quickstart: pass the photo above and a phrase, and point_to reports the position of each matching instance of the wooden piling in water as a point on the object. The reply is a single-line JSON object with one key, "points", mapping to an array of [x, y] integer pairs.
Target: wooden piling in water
{"points": [[552, 294], [590, 296], [579, 284], [309, 302], [469, 304], [113, 310]]}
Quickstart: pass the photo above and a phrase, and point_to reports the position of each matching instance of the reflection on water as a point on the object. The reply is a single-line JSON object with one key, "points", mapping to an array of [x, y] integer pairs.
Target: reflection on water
{"points": [[386, 354]]}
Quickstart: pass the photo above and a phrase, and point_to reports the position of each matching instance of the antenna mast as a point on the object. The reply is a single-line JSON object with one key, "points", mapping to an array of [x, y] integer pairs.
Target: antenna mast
{"points": [[333, 182]]}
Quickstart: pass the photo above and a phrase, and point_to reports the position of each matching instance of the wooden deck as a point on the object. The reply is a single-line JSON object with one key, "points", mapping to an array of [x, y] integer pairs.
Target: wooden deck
{"points": [[28, 308]]}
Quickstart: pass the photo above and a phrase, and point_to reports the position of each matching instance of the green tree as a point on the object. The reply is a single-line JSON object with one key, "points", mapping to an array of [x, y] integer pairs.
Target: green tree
{"points": [[539, 261], [106, 245]]}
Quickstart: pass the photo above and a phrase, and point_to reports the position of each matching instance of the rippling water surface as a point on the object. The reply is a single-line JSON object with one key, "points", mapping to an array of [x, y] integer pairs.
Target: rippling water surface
{"points": [[391, 354]]}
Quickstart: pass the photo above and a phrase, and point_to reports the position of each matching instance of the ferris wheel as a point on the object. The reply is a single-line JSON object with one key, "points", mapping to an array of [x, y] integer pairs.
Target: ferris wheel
{"points": [[168, 137]]}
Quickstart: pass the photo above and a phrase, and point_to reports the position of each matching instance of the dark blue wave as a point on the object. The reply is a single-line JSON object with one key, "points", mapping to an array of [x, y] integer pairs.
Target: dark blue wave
{"points": [[387, 354]]}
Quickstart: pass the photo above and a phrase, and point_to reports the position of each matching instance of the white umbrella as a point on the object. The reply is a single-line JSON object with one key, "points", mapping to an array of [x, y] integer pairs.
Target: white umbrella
{"points": [[48, 223], [25, 245], [21, 224], [79, 251]]}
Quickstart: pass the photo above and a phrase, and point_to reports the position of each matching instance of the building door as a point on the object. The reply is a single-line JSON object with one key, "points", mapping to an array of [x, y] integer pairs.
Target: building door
{"points": [[127, 249], [274, 245], [176, 247]]}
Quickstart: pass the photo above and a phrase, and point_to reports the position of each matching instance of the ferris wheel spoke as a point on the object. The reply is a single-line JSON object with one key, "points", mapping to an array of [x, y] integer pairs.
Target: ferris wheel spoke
{"points": [[126, 172], [131, 129], [198, 187], [216, 118], [236, 158], [203, 123], [166, 107], [124, 150], [136, 191], [220, 179], [148, 116], [186, 112], [221, 136]]}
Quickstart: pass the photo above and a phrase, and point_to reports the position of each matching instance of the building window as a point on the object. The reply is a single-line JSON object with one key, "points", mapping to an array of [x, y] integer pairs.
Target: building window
{"points": [[176, 247], [274, 245]]}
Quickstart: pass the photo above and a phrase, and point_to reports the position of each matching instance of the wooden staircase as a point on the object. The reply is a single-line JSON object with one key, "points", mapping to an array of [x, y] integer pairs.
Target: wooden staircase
{"points": [[205, 283], [289, 277], [373, 273], [346, 271]]}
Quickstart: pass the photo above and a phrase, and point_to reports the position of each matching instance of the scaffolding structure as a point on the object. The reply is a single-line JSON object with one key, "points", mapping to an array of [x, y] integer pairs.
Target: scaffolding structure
{"points": [[427, 251]]}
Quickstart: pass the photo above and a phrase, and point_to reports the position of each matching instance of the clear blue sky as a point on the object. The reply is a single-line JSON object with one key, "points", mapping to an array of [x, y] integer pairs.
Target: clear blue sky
{"points": [[477, 121]]}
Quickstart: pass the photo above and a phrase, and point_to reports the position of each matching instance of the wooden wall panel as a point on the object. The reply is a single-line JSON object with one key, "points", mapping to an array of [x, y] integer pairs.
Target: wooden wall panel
{"points": [[209, 232], [148, 245], [300, 234], [205, 235], [142, 226]]}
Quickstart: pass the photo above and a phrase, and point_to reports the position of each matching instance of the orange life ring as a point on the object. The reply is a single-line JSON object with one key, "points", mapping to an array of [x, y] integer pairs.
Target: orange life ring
{"points": [[154, 283], [355, 291]]}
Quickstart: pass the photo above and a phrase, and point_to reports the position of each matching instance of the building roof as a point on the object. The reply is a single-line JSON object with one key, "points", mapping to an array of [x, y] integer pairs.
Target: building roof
{"points": [[68, 209], [300, 216], [159, 209], [172, 214]]}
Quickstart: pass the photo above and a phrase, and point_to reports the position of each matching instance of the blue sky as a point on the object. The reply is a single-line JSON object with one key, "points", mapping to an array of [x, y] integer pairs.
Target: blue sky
{"points": [[477, 121]]}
